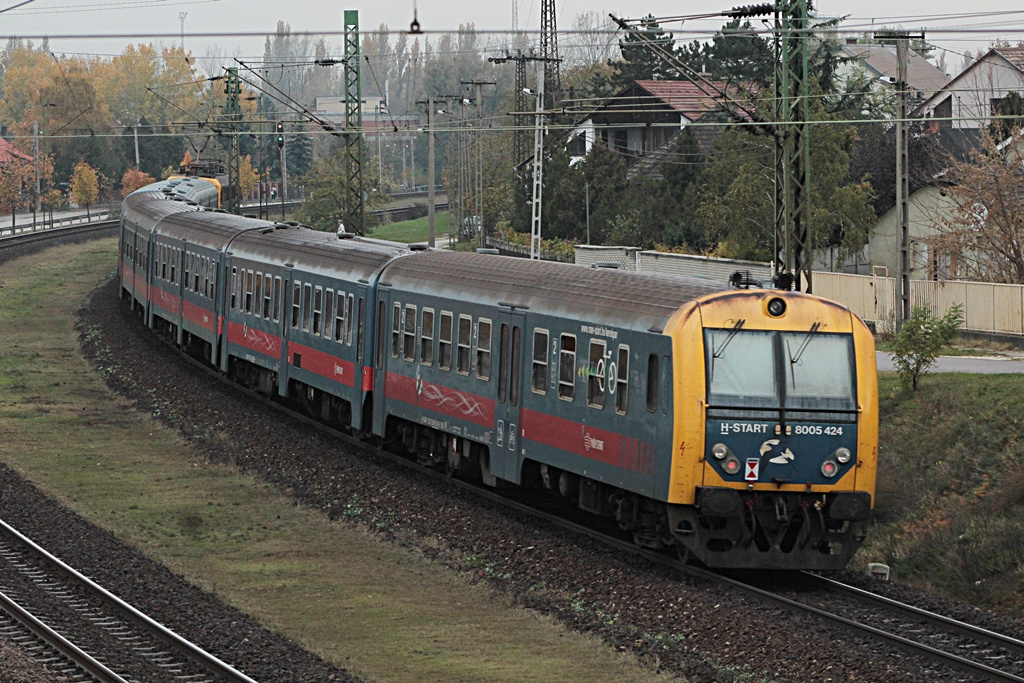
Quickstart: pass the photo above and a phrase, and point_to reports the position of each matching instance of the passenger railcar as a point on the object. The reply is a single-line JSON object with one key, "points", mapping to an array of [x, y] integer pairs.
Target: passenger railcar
{"points": [[737, 426]]}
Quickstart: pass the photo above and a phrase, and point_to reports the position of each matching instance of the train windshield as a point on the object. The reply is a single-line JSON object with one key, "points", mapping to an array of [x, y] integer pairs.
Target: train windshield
{"points": [[806, 373]]}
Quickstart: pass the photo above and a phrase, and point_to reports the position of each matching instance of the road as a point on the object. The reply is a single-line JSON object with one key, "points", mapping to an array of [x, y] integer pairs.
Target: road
{"points": [[983, 365]]}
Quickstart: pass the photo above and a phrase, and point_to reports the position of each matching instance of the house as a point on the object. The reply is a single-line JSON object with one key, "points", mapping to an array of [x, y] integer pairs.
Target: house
{"points": [[879, 61], [644, 117], [9, 153], [970, 99]]}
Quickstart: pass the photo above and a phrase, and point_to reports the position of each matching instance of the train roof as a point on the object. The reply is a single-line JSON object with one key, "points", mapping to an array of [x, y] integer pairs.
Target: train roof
{"points": [[305, 249], [211, 229], [146, 207], [641, 301]]}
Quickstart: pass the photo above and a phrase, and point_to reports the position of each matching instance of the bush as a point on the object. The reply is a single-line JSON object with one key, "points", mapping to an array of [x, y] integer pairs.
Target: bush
{"points": [[919, 341]]}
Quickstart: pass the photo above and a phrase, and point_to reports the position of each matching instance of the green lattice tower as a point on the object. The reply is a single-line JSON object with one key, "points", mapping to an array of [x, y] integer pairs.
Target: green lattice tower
{"points": [[232, 117], [353, 135], [793, 249]]}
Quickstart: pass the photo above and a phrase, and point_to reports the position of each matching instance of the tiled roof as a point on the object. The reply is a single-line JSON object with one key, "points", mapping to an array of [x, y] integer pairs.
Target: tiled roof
{"points": [[1014, 55], [8, 153], [683, 96], [921, 74]]}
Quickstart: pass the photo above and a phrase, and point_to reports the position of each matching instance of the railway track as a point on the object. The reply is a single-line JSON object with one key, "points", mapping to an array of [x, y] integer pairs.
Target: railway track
{"points": [[25, 240], [130, 642]]}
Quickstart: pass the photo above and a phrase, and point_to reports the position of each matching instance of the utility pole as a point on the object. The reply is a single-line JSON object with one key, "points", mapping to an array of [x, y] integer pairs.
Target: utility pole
{"points": [[478, 201], [353, 134], [549, 51], [430, 171], [538, 167], [181, 16], [232, 115], [902, 40], [135, 130]]}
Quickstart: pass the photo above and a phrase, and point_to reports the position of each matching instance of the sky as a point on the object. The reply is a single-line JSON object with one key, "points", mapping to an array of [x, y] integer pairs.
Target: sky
{"points": [[73, 25]]}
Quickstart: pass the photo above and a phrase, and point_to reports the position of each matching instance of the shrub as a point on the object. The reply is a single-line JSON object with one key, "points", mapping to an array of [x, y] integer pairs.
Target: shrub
{"points": [[919, 341]]}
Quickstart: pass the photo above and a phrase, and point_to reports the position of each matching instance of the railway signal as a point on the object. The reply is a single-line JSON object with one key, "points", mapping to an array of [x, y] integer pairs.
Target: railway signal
{"points": [[280, 135]]}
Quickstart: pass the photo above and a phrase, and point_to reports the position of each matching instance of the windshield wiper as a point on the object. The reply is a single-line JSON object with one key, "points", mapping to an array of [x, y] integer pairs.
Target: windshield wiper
{"points": [[793, 360], [716, 354]]}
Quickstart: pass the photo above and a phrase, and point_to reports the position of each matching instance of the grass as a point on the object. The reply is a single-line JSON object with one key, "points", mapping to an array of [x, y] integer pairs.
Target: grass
{"points": [[415, 230], [379, 610], [950, 500]]}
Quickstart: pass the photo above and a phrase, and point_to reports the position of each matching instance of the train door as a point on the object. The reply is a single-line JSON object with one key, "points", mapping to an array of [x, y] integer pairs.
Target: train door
{"points": [[380, 356], [363, 334], [289, 312], [505, 452]]}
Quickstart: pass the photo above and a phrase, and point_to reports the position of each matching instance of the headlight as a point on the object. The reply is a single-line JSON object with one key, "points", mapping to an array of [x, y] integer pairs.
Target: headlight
{"points": [[776, 307], [829, 468], [731, 465], [843, 455], [719, 450]]}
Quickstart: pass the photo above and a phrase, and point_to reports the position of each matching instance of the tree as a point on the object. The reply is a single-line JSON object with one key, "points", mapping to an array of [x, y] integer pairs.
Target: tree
{"points": [[85, 186], [638, 62], [736, 54], [919, 341], [16, 177], [133, 179], [984, 231]]}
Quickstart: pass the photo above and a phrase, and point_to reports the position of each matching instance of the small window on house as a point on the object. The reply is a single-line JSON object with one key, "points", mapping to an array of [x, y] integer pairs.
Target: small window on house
{"points": [[652, 382], [396, 329], [465, 341], [567, 368], [409, 341], [622, 381], [596, 374], [540, 361], [307, 306], [444, 342], [339, 319], [296, 304], [427, 337], [277, 299], [483, 350], [248, 291], [318, 311], [329, 314]]}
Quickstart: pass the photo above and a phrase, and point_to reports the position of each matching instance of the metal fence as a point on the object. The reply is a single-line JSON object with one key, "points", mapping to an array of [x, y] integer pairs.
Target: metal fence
{"points": [[988, 307]]}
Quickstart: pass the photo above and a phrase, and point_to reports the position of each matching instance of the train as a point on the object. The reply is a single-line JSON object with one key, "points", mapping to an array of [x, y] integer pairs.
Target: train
{"points": [[734, 426]]}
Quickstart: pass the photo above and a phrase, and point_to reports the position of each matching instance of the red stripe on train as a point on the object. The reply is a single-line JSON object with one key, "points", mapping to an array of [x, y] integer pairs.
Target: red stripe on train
{"points": [[440, 399]]}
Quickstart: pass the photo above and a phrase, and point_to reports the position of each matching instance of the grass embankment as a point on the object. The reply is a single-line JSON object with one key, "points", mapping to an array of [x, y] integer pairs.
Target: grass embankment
{"points": [[949, 514], [415, 230], [380, 611]]}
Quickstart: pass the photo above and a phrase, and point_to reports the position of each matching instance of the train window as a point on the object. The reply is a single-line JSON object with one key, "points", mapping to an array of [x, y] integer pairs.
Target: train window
{"points": [[195, 273], [163, 262], [819, 371], [238, 289], [234, 291], [277, 299], [540, 361], [567, 368], [213, 279], [503, 364], [329, 314], [465, 339], [622, 381], [296, 304], [174, 266], [258, 295], [268, 297], [381, 327], [409, 340], [307, 306], [396, 329], [427, 337], [318, 311], [339, 319], [187, 268], [652, 382], [359, 335], [444, 342], [206, 277], [513, 392], [350, 322], [248, 291], [596, 375], [483, 350]]}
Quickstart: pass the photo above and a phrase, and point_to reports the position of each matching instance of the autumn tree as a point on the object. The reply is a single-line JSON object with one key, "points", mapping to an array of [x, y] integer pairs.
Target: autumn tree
{"points": [[16, 178], [133, 179], [984, 228], [85, 186]]}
